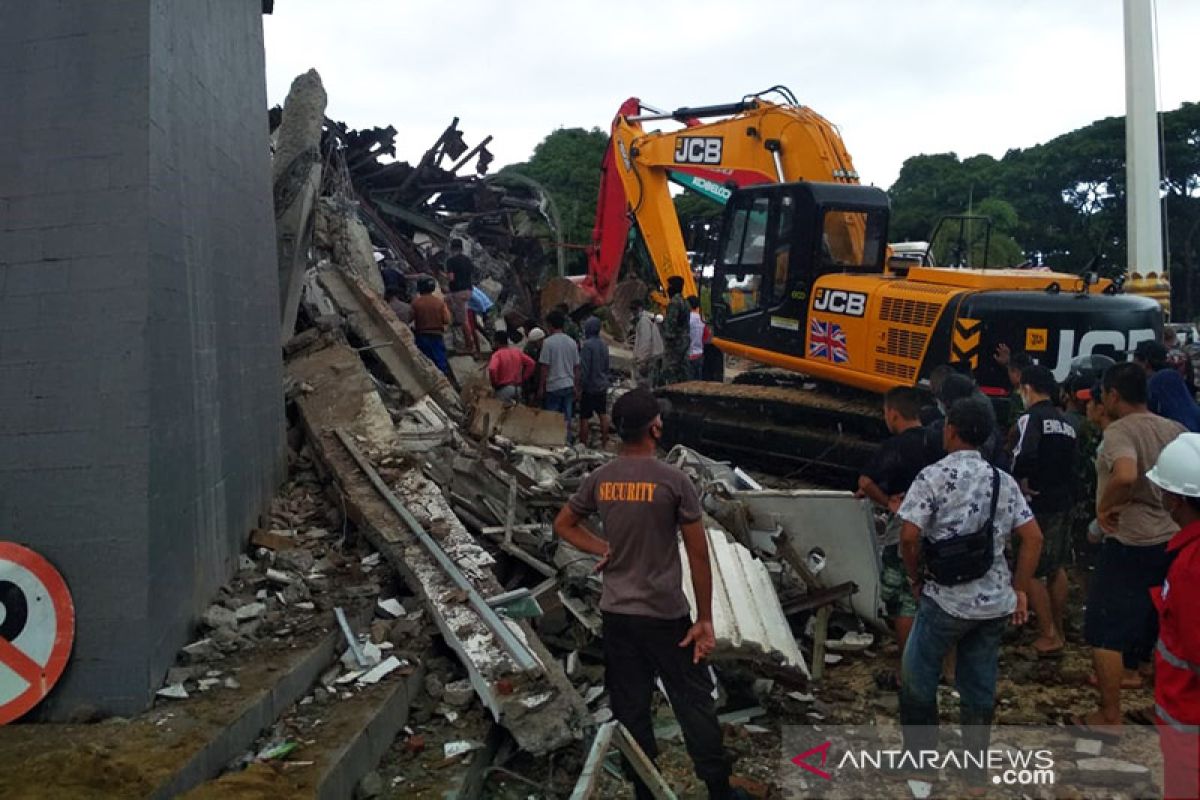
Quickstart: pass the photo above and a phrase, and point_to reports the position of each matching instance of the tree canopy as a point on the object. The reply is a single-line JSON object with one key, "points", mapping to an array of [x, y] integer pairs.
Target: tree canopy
{"points": [[1062, 203], [567, 164]]}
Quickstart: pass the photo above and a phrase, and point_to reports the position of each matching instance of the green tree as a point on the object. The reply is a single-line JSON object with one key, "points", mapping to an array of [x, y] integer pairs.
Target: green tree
{"points": [[1181, 182], [976, 243], [567, 164]]}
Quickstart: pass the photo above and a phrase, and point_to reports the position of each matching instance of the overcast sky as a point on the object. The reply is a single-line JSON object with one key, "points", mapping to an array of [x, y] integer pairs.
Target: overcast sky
{"points": [[898, 77]]}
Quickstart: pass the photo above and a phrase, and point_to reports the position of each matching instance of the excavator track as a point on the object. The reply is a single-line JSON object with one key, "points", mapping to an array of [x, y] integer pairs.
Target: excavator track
{"points": [[822, 436]]}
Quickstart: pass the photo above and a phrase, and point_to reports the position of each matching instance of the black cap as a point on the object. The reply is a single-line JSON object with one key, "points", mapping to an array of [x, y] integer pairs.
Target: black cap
{"points": [[1080, 386], [1039, 378], [1150, 351], [634, 410]]}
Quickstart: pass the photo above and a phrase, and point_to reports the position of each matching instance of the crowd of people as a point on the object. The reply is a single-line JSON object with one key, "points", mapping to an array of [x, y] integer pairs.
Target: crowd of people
{"points": [[565, 367], [982, 516], [557, 364]]}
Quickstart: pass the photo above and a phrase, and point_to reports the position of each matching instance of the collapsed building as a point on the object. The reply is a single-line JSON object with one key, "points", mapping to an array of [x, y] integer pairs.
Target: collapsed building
{"points": [[306, 574], [410, 512], [343, 193]]}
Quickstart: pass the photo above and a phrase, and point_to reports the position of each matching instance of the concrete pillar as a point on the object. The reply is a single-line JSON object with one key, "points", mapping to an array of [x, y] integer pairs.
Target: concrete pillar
{"points": [[296, 175], [1147, 273], [141, 426]]}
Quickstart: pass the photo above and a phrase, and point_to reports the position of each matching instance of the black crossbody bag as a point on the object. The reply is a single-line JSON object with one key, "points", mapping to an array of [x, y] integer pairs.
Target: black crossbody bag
{"points": [[964, 558]]}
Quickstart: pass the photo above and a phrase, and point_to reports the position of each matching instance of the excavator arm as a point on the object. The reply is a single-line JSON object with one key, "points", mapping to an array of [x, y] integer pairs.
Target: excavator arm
{"points": [[614, 220], [757, 141]]}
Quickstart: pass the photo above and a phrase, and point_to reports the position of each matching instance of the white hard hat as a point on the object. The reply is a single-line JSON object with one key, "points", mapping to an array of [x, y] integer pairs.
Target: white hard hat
{"points": [[536, 335], [1178, 468]]}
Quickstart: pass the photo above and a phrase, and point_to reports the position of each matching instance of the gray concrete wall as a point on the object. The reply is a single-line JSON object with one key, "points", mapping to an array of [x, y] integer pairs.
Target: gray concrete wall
{"points": [[140, 401]]}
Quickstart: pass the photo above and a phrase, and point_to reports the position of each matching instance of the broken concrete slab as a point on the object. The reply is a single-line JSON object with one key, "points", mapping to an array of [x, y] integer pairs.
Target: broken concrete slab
{"points": [[341, 400], [174, 691], [423, 426], [220, 617], [339, 233], [520, 424], [1108, 771], [380, 671], [202, 735], [392, 341], [250, 611]]}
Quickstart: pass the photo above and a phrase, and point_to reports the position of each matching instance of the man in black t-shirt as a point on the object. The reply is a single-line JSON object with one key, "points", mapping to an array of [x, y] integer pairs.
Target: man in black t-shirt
{"points": [[1044, 463], [885, 481], [462, 282]]}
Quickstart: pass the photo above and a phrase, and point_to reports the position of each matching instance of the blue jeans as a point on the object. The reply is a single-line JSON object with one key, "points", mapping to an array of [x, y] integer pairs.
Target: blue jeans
{"points": [[433, 345], [934, 634], [562, 401]]}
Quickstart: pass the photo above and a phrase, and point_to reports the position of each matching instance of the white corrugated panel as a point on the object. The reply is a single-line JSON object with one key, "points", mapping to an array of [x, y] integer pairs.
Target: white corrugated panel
{"points": [[747, 617]]}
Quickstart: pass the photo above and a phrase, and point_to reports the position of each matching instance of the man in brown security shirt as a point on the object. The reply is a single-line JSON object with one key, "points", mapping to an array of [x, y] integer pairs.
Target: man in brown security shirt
{"points": [[648, 631]]}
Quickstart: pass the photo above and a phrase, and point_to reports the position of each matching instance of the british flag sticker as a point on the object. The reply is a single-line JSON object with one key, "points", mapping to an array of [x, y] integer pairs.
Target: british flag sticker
{"points": [[827, 340]]}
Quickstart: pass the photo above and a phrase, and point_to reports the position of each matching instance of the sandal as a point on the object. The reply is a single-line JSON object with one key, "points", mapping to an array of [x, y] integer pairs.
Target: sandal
{"points": [[1142, 716], [1078, 725]]}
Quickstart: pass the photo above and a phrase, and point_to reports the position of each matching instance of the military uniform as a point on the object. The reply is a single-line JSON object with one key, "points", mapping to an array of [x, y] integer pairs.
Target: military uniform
{"points": [[676, 340]]}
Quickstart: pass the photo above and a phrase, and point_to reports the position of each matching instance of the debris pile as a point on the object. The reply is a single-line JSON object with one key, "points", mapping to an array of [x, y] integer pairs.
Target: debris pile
{"points": [[411, 554], [457, 495], [417, 528], [342, 198]]}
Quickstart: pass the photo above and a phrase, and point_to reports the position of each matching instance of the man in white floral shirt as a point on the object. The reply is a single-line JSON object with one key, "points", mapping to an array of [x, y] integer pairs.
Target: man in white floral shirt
{"points": [[953, 498]]}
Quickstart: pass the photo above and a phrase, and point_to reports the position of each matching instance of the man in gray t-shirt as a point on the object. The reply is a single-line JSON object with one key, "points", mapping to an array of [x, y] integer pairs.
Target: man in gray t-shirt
{"points": [[559, 361], [645, 505]]}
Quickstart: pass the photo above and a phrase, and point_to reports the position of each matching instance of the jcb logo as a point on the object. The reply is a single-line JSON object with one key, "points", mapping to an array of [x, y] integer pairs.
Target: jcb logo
{"points": [[1036, 340], [1115, 343], [698, 150], [837, 301]]}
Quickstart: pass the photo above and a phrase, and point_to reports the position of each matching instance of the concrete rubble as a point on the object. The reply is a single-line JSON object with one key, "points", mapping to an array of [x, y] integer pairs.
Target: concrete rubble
{"points": [[412, 546], [484, 483]]}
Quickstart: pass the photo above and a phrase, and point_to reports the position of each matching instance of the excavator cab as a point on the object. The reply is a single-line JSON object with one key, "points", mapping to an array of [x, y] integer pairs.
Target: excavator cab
{"points": [[776, 241]]}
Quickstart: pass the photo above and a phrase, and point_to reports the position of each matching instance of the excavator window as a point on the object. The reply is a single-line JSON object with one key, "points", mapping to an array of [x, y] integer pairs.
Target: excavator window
{"points": [[748, 234], [850, 240], [743, 256], [783, 251]]}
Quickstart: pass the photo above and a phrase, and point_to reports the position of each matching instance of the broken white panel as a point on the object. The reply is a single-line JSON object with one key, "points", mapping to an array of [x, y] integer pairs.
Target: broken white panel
{"points": [[423, 426], [750, 633], [710, 470], [379, 671], [836, 525], [747, 617]]}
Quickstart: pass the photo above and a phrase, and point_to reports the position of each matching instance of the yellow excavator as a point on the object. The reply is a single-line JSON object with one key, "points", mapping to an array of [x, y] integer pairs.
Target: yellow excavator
{"points": [[803, 280]]}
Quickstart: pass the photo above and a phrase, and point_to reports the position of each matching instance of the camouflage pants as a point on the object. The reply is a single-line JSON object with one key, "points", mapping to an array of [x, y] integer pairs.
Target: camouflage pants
{"points": [[674, 366]]}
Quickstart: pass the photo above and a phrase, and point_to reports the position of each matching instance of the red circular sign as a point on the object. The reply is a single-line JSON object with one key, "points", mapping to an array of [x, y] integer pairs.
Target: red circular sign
{"points": [[37, 628]]}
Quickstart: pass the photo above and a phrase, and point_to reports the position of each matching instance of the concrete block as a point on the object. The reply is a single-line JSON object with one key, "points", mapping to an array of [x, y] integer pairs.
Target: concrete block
{"points": [[138, 419]]}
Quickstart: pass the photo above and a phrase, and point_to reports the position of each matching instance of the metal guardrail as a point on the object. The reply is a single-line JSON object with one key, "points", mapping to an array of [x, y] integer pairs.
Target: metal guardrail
{"points": [[522, 656]]}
